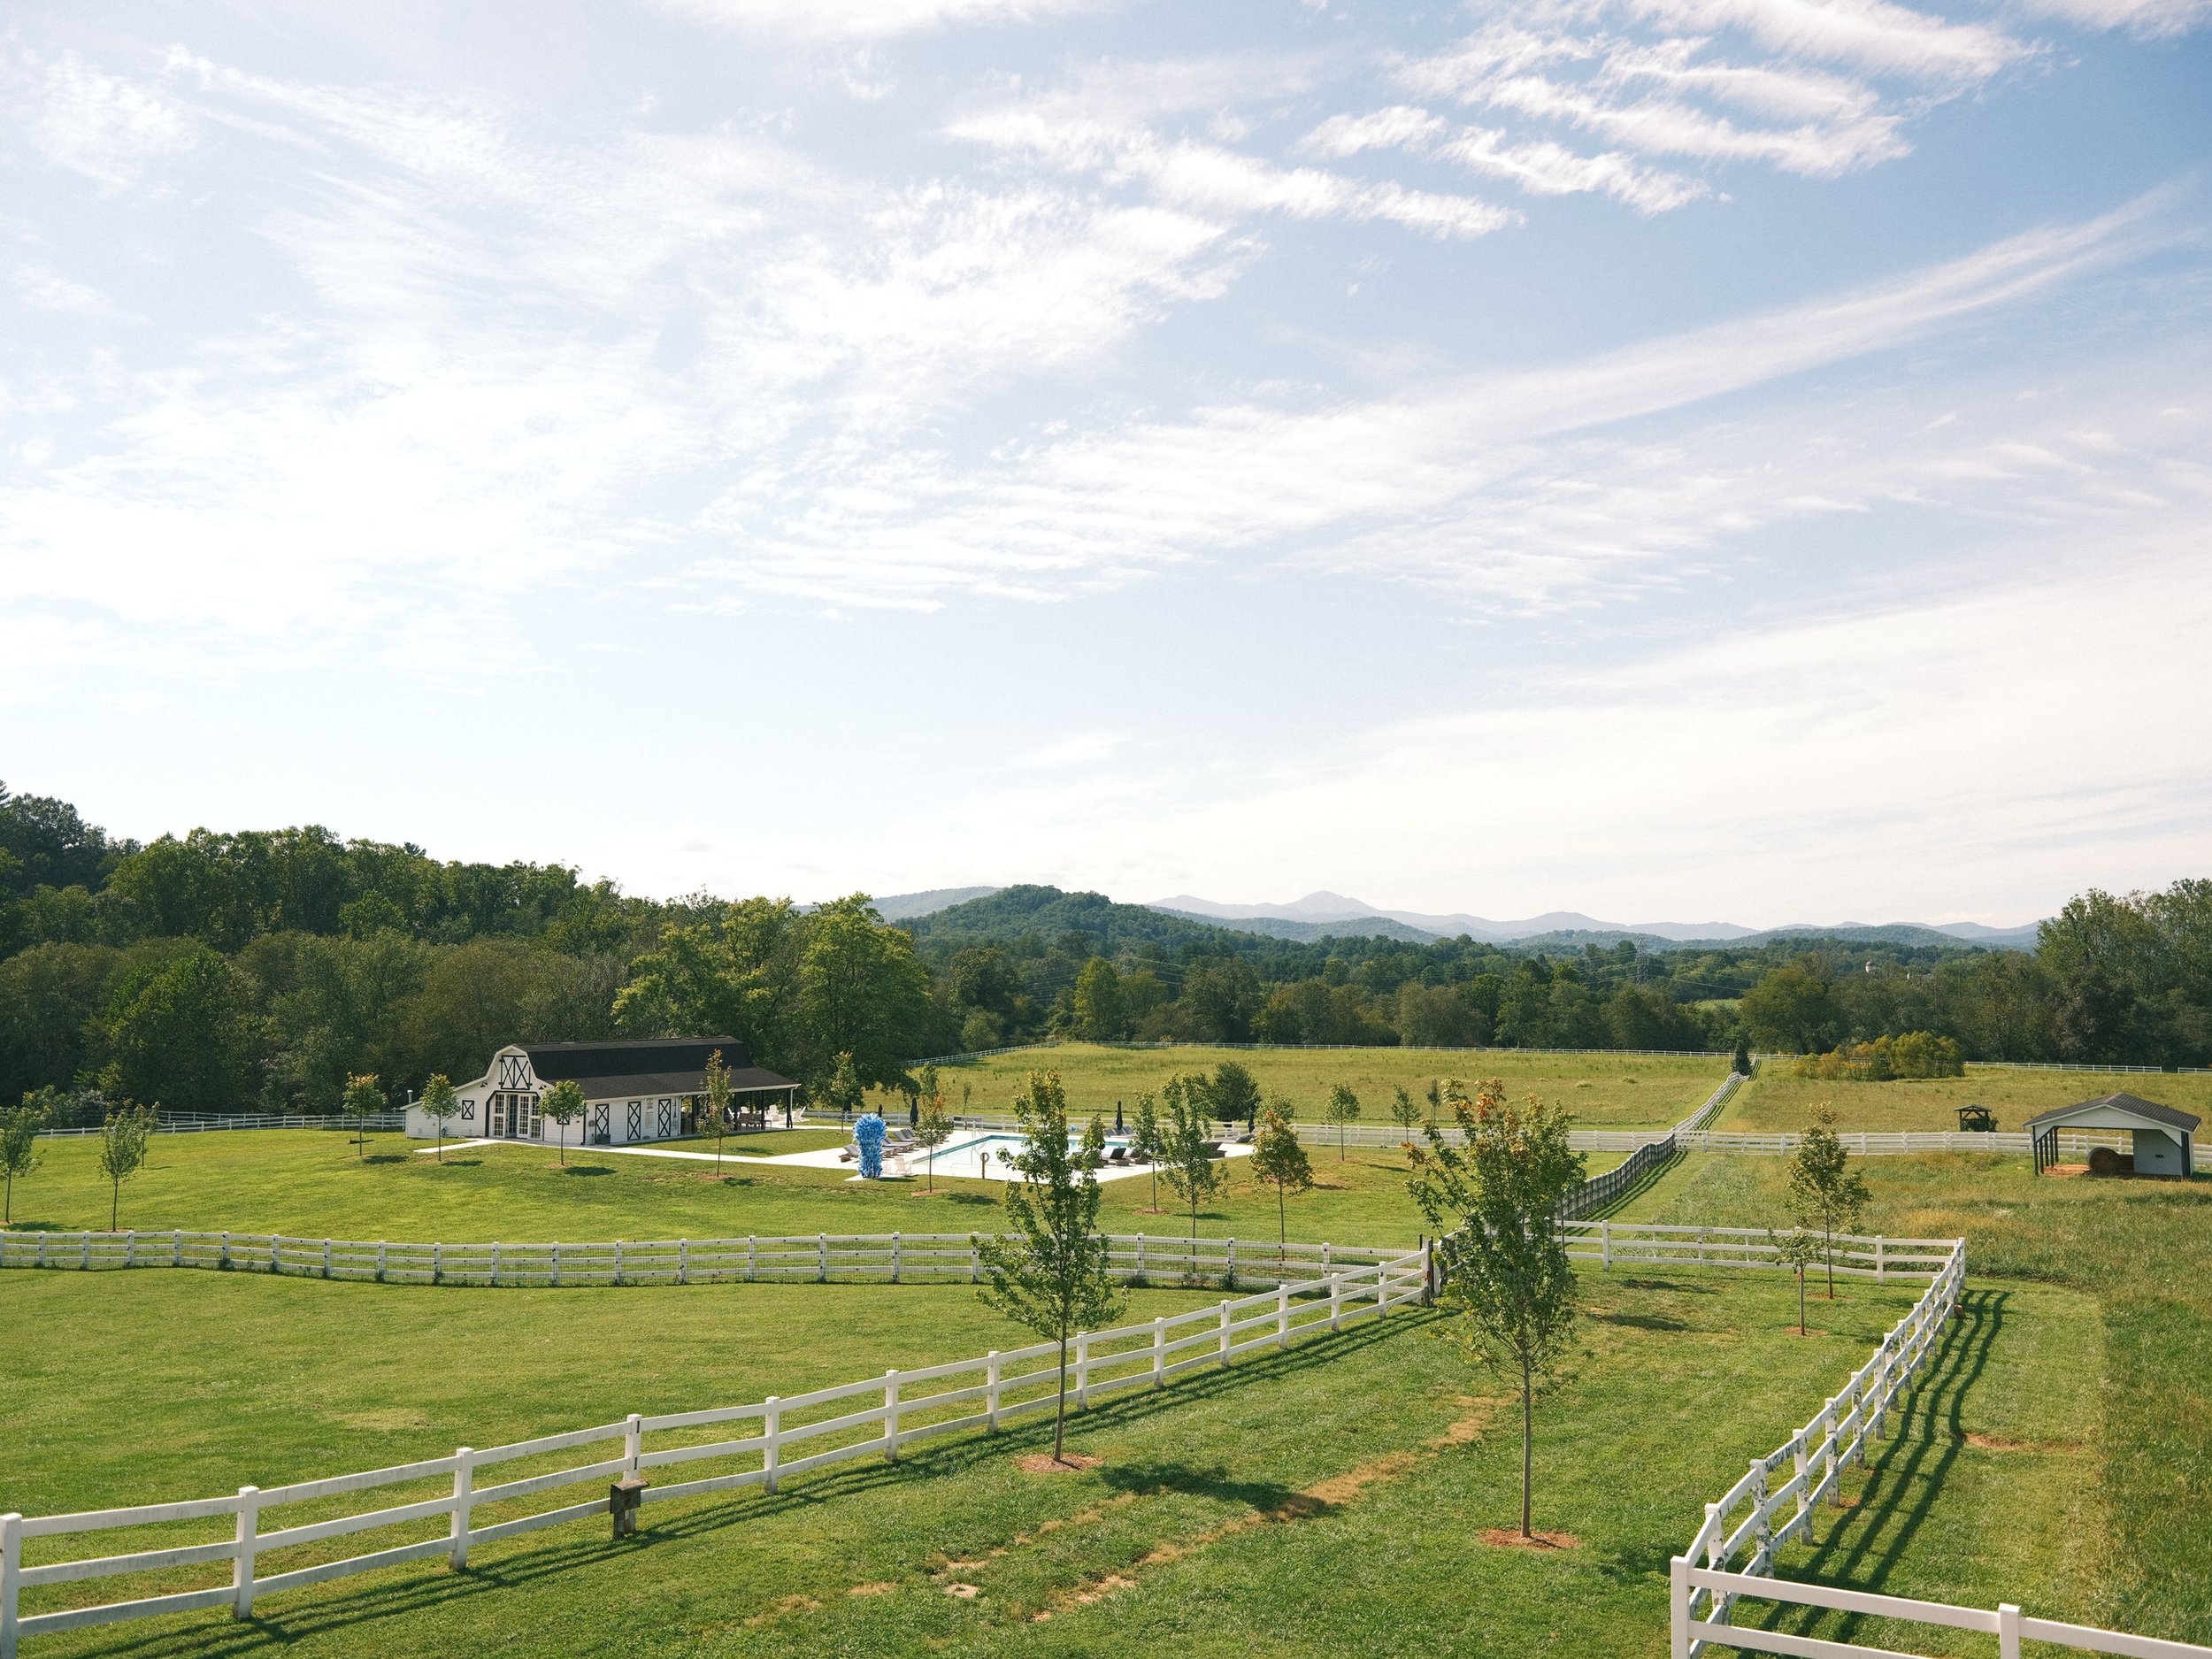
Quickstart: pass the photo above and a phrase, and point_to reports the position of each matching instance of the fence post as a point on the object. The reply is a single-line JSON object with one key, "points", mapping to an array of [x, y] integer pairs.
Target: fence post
{"points": [[379, 1261], [821, 1244], [618, 1261], [1881, 1261], [1428, 1272], [975, 1260], [752, 1257], [1325, 1255], [1336, 1301], [1678, 1608], [176, 1249], [556, 1261], [326, 1258], [130, 1248], [494, 1262], [683, 1261], [1282, 1316], [1141, 1255], [898, 1257], [2007, 1631], [891, 1417], [990, 1390], [1804, 1497], [633, 1442], [242, 1566], [84, 1262], [1382, 1287], [1605, 1244], [276, 1259], [1082, 1371], [11, 1573], [437, 1261], [1159, 1353], [1225, 1330], [463, 1494], [771, 1428], [1233, 1266]]}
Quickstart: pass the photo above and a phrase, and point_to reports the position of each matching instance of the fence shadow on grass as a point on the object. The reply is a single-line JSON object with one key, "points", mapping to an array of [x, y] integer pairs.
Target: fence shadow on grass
{"points": [[409, 1591], [1864, 1545]]}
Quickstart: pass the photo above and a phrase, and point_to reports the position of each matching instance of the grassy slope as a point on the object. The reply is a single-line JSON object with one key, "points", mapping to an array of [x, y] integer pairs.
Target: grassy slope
{"points": [[1776, 1099], [1316, 1504], [310, 1183], [1602, 1089], [2134, 1253]]}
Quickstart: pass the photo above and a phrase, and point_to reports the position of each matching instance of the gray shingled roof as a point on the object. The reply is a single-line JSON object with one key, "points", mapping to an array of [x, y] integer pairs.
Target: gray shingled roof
{"points": [[2149, 1111]]}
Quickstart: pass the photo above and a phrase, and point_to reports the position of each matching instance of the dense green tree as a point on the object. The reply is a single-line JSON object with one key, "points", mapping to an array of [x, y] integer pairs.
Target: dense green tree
{"points": [[363, 1100], [1098, 1007], [1234, 1093], [1792, 1009], [182, 1034], [438, 1104]]}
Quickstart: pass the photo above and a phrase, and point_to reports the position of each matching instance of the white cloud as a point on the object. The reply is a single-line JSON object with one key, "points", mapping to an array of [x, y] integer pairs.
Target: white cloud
{"points": [[107, 128], [869, 20], [2149, 19]]}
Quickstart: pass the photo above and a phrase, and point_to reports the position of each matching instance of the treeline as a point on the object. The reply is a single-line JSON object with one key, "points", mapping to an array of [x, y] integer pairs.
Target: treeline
{"points": [[213, 972]]}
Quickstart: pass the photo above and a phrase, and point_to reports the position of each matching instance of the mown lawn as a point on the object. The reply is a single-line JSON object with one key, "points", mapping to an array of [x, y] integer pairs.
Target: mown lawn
{"points": [[1775, 1098], [2130, 1264], [1602, 1089], [1327, 1502], [310, 1183]]}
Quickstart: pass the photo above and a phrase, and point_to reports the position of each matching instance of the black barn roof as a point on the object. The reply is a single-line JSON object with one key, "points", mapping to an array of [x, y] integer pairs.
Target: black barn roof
{"points": [[650, 1065]]}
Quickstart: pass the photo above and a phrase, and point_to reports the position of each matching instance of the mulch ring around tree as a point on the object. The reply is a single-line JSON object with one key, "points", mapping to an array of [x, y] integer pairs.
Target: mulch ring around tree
{"points": [[1045, 1463]]}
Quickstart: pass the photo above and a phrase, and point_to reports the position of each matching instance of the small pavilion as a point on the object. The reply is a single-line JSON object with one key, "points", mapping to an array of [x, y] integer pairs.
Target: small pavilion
{"points": [[2164, 1139]]}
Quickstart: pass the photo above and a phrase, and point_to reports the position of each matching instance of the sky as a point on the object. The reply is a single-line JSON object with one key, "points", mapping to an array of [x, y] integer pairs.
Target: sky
{"points": [[1740, 460]]}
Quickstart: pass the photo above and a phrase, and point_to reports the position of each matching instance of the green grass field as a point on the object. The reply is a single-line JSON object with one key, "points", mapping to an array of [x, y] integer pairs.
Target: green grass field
{"points": [[2132, 1257], [1774, 1099], [310, 1184], [1602, 1089], [1327, 1501]]}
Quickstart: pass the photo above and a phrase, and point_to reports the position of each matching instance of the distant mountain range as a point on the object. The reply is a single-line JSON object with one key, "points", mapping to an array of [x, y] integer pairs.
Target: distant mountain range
{"points": [[1331, 915]]}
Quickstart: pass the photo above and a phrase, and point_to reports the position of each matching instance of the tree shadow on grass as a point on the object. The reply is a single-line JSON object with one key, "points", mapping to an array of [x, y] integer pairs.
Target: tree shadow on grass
{"points": [[389, 1157], [377, 1595], [588, 1169], [1907, 1472]]}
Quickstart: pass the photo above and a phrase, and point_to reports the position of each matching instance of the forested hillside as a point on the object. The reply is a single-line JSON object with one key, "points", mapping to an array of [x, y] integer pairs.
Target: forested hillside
{"points": [[219, 970]]}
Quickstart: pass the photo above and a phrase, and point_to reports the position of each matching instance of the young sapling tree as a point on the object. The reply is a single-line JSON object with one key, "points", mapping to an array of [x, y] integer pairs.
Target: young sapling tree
{"points": [[1826, 1193], [563, 1103], [1797, 1250], [1502, 1258], [362, 1101], [123, 1137], [438, 1104], [1405, 1111], [1342, 1111], [932, 1127], [19, 1148], [1234, 1093], [716, 1104], [1277, 1156], [1052, 1272], [1148, 1140], [1186, 1153]]}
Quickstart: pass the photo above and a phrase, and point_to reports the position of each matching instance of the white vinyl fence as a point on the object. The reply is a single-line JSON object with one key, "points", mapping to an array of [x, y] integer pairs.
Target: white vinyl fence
{"points": [[1732, 1557], [443, 1504], [895, 1256], [2074, 1145], [199, 1123]]}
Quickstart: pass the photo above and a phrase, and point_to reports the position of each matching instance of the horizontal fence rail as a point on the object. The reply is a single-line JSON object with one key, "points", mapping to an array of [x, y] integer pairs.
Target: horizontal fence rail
{"points": [[896, 1258], [197, 1122], [442, 1506], [1732, 1557], [2074, 1145]]}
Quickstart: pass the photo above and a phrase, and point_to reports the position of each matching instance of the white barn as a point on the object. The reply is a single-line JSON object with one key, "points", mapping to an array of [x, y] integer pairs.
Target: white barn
{"points": [[645, 1090]]}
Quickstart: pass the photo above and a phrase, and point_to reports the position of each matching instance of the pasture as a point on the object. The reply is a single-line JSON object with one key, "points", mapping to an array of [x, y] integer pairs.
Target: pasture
{"points": [[2131, 1258], [1324, 1501], [1603, 1090], [310, 1183], [1775, 1100]]}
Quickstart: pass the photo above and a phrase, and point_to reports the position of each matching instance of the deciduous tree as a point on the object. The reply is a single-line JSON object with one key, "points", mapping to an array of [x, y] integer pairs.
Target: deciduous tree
{"points": [[1187, 1155], [1405, 1111], [19, 1148], [361, 1102], [1502, 1259], [1343, 1111], [1053, 1272], [123, 1139], [1826, 1193], [1148, 1140], [563, 1103], [716, 1104], [931, 1129], [438, 1104], [1277, 1156]]}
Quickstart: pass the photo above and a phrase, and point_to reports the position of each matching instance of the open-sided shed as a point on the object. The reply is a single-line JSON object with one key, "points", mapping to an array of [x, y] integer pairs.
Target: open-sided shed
{"points": [[2164, 1139]]}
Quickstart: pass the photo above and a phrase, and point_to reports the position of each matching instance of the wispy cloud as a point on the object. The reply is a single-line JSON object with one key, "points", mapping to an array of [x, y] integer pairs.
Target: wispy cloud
{"points": [[870, 19]]}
